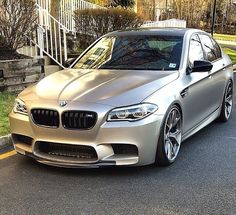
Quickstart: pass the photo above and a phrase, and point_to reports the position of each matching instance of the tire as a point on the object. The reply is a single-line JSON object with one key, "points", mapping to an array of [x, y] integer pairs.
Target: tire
{"points": [[227, 104], [170, 137]]}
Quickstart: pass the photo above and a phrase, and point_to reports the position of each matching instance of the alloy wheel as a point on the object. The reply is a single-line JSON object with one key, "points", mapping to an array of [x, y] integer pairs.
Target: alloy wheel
{"points": [[228, 99], [173, 133]]}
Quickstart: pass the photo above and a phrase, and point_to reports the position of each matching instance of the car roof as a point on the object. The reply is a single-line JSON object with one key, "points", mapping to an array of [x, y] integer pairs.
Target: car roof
{"points": [[154, 31]]}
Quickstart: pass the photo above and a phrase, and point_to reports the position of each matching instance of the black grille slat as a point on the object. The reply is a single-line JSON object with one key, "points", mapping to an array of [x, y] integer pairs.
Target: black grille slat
{"points": [[67, 150], [85, 120], [45, 117], [79, 119], [71, 117], [76, 119]]}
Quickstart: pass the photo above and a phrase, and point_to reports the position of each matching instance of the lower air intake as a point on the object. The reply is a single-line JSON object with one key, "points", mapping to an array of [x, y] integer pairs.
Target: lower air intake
{"points": [[69, 151]]}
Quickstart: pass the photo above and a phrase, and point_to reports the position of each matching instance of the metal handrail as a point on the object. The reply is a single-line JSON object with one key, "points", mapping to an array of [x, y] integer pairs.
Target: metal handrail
{"points": [[50, 37]]}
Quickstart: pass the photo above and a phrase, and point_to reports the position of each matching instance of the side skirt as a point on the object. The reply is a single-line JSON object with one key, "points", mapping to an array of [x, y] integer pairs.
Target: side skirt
{"points": [[202, 124]]}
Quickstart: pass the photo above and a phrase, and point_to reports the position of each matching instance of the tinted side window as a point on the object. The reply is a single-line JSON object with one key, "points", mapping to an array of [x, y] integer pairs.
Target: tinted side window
{"points": [[195, 50], [211, 54], [217, 49]]}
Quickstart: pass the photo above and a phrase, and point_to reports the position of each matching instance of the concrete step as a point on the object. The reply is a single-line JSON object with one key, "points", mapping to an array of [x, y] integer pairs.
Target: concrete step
{"points": [[50, 69], [47, 60]]}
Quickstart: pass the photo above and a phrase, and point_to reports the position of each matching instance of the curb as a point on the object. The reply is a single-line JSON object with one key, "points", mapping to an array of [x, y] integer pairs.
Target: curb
{"points": [[5, 141]]}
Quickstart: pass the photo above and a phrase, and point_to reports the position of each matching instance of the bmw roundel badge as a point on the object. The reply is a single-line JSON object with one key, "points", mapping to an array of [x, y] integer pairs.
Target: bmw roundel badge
{"points": [[63, 103]]}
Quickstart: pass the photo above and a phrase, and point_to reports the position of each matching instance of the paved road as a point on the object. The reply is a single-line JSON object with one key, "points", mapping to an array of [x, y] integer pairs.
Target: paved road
{"points": [[202, 181]]}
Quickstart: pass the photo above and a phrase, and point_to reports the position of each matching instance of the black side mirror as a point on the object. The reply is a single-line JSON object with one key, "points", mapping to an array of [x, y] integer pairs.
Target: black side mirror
{"points": [[69, 62], [201, 66]]}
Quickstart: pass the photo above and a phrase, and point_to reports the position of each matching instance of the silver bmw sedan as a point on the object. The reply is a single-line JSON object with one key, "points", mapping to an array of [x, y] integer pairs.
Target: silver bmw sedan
{"points": [[130, 99]]}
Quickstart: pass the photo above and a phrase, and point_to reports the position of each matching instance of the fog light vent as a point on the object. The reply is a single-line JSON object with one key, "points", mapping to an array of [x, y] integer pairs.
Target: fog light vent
{"points": [[22, 139], [127, 149]]}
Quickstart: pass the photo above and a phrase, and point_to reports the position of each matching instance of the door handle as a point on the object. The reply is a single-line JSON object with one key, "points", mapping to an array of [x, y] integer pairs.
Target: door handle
{"points": [[184, 93]]}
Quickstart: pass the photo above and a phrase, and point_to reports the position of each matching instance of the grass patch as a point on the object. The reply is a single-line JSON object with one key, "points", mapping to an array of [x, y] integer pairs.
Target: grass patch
{"points": [[6, 105], [225, 37], [231, 53]]}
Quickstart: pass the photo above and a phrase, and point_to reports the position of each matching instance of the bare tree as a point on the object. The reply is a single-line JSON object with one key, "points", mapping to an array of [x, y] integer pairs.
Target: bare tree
{"points": [[198, 14], [100, 2], [17, 18], [147, 9], [123, 3]]}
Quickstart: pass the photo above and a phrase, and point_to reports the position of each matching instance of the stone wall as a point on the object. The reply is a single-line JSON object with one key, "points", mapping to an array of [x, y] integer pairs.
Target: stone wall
{"points": [[16, 75]]}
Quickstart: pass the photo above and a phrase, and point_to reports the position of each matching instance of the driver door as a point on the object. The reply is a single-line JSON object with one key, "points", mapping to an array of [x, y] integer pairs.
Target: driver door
{"points": [[196, 96]]}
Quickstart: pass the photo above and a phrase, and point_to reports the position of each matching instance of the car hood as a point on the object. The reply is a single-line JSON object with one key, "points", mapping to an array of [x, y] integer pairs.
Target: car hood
{"points": [[108, 87]]}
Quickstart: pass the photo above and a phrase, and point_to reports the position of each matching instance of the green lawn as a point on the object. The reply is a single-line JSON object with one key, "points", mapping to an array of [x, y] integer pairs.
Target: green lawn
{"points": [[225, 37], [6, 104], [231, 53], [232, 40]]}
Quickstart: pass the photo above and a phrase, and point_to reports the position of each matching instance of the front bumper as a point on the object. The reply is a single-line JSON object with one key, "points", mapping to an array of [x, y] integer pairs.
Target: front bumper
{"points": [[98, 164], [142, 134]]}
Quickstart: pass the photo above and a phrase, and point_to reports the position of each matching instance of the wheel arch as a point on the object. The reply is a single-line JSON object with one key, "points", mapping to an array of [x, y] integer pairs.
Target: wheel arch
{"points": [[178, 104]]}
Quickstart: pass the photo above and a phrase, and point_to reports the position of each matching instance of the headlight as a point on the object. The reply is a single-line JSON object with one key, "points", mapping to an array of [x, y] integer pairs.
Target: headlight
{"points": [[132, 113], [19, 107]]}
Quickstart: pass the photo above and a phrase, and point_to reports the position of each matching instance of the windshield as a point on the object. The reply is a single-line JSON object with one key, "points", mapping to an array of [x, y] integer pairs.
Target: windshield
{"points": [[134, 52]]}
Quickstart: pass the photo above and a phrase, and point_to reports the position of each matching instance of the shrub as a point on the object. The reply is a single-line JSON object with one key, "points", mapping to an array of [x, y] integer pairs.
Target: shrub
{"points": [[17, 18], [91, 24]]}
